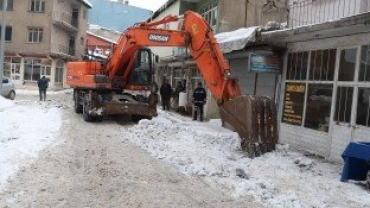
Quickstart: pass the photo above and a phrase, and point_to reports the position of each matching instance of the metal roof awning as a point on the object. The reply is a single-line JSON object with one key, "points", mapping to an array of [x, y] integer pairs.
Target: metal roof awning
{"points": [[236, 40]]}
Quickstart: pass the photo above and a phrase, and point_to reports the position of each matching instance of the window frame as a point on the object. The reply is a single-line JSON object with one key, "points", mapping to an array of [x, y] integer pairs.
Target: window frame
{"points": [[37, 6], [308, 81], [31, 32]]}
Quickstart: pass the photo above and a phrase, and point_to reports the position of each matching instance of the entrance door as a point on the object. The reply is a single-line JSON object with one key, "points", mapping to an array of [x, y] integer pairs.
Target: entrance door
{"points": [[343, 119]]}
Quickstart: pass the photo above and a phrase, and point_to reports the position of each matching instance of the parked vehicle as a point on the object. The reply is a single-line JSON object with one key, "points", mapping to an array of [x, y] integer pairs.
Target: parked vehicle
{"points": [[8, 89]]}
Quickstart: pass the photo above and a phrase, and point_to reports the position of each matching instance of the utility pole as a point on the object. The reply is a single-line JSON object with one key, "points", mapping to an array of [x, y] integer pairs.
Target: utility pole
{"points": [[2, 41]]}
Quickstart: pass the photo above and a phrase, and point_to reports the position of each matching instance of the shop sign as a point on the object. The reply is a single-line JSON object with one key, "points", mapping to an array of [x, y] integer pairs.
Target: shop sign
{"points": [[264, 63], [293, 103]]}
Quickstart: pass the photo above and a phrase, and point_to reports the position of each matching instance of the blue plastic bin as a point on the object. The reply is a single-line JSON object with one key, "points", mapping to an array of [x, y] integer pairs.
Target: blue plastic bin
{"points": [[356, 158]]}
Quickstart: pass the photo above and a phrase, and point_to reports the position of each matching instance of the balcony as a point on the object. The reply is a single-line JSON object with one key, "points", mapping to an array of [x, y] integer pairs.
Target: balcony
{"points": [[65, 21], [62, 50], [310, 12]]}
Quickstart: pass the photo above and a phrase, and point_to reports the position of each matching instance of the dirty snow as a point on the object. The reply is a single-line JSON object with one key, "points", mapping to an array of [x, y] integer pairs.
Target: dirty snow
{"points": [[24, 131], [282, 179], [36, 92]]}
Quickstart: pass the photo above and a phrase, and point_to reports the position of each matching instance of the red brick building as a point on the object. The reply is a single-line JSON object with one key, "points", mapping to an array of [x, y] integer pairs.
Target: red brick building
{"points": [[99, 45]]}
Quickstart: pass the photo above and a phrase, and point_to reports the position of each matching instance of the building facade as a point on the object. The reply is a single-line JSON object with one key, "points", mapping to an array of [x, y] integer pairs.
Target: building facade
{"points": [[98, 45], [325, 96], [41, 36]]}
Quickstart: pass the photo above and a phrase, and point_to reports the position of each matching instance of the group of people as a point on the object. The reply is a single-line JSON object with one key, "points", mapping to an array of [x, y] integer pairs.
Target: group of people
{"points": [[199, 97]]}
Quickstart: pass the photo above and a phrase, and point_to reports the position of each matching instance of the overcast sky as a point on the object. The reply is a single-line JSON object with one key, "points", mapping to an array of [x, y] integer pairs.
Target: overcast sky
{"points": [[148, 4]]}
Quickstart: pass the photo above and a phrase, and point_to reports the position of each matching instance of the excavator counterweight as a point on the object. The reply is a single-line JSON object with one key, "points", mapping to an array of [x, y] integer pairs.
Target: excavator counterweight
{"points": [[123, 84]]}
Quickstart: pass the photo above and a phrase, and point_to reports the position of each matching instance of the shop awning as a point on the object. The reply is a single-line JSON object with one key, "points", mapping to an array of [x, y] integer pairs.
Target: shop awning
{"points": [[236, 40]]}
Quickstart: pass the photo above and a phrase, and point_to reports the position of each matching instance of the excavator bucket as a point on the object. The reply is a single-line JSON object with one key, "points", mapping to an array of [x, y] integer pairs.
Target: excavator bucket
{"points": [[253, 118]]}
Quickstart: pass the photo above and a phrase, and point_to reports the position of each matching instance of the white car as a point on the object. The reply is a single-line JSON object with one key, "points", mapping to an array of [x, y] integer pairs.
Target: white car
{"points": [[8, 89]]}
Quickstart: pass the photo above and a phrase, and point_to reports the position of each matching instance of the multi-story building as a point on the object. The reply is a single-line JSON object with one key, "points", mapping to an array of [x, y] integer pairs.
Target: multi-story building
{"points": [[41, 35], [223, 16]]}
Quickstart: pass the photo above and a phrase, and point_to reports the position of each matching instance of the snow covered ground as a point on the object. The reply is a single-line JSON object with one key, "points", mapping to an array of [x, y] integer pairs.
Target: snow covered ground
{"points": [[25, 129], [36, 92], [282, 179]]}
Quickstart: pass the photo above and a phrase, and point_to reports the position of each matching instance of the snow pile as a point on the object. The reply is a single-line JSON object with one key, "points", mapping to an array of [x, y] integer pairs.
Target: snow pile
{"points": [[25, 130], [281, 179], [4, 103]]}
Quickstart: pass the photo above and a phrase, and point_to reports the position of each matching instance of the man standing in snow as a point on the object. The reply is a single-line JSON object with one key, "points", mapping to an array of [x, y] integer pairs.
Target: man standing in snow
{"points": [[199, 99], [166, 92], [43, 85]]}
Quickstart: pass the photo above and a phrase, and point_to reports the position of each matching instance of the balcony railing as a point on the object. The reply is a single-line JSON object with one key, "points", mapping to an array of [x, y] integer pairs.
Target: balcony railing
{"points": [[309, 12], [65, 20], [64, 50]]}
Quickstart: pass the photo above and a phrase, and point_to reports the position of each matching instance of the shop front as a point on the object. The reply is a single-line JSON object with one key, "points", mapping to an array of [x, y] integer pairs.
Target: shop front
{"points": [[326, 94]]}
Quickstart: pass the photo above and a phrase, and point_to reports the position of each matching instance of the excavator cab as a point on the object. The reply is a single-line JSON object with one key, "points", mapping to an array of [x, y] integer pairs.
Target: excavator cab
{"points": [[142, 73]]}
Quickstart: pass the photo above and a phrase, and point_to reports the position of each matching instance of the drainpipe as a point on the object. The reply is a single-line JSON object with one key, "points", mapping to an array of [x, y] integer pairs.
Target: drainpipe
{"points": [[246, 13]]}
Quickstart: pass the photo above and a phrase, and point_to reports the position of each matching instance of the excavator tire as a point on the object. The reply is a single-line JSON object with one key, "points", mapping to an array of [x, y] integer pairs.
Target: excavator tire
{"points": [[77, 106], [85, 114]]}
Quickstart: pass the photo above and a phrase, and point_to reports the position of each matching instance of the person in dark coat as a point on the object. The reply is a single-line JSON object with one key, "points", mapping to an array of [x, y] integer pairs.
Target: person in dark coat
{"points": [[199, 99], [43, 85], [166, 92]]}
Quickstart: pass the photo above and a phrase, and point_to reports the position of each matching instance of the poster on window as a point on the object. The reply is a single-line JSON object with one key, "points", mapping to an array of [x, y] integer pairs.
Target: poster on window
{"points": [[293, 103]]}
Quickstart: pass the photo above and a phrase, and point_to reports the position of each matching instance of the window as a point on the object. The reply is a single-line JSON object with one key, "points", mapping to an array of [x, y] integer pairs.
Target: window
{"points": [[142, 73], [12, 67], [210, 15], [59, 72], [37, 6], [344, 104], [365, 64], [297, 66], [308, 99], [8, 33], [347, 64], [34, 69], [323, 65], [9, 6], [35, 35], [318, 106], [363, 107]]}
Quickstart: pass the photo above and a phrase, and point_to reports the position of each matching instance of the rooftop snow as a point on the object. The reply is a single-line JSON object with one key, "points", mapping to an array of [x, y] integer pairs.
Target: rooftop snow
{"points": [[236, 40]]}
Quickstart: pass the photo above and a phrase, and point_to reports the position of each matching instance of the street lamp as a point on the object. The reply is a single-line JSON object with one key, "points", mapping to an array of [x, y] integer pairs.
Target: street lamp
{"points": [[2, 41]]}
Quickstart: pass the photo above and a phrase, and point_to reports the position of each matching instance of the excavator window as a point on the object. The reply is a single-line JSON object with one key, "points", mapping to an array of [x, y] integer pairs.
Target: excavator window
{"points": [[142, 72]]}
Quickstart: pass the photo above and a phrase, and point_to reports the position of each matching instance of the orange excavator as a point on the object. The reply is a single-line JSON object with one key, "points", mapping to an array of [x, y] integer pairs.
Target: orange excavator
{"points": [[124, 83]]}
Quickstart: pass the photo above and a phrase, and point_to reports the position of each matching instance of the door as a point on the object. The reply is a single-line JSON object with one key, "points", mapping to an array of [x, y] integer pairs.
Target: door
{"points": [[343, 107]]}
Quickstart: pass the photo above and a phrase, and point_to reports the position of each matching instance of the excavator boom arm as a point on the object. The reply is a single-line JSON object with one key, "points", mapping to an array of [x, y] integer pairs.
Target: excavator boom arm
{"points": [[196, 35]]}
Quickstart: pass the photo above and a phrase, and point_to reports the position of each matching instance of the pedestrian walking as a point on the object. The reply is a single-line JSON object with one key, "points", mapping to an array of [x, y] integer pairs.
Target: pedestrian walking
{"points": [[166, 92], [43, 84], [199, 99]]}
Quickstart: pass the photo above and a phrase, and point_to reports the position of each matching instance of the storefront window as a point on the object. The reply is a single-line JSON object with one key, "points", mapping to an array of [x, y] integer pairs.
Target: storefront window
{"points": [[365, 64], [344, 104], [363, 107], [297, 66], [308, 100], [12, 67], [34, 69], [318, 106], [323, 65], [347, 64]]}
